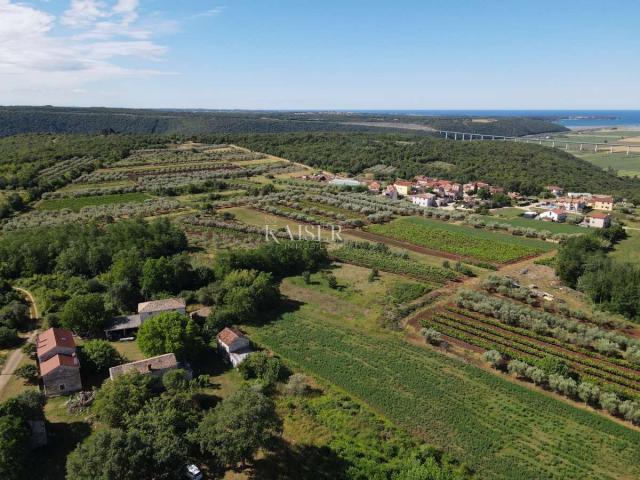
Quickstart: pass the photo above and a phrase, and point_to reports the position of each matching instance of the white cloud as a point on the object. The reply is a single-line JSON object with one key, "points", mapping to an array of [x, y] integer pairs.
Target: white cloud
{"points": [[35, 57], [82, 13]]}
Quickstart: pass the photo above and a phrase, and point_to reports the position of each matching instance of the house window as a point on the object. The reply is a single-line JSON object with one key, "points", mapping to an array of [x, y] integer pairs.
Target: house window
{"points": [[62, 387]]}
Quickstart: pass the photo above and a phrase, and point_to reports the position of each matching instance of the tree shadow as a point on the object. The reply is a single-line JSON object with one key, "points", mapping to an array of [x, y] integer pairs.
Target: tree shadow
{"points": [[62, 438], [287, 305], [298, 462]]}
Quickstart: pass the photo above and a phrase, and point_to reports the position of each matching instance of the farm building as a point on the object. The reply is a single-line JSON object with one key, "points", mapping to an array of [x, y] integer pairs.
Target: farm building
{"points": [[153, 366], [599, 220], [556, 215], [59, 365], [128, 325], [234, 344]]}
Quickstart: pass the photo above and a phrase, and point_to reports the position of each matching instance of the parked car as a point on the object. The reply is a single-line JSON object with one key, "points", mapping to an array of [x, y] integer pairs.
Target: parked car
{"points": [[193, 472]]}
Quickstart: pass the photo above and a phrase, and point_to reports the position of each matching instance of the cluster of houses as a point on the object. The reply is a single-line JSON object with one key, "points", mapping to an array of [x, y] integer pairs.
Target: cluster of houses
{"points": [[434, 192], [559, 207], [60, 368]]}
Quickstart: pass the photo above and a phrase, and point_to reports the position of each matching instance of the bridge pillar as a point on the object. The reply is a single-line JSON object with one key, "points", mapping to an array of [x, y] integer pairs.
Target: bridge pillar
{"points": [[566, 147], [595, 149], [553, 144], [540, 142], [493, 137], [611, 150], [580, 147], [455, 136]]}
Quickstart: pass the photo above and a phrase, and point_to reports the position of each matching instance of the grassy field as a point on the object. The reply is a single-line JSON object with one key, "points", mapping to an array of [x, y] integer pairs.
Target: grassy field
{"points": [[626, 165], [73, 187], [500, 429], [77, 203], [628, 250], [552, 227], [461, 240]]}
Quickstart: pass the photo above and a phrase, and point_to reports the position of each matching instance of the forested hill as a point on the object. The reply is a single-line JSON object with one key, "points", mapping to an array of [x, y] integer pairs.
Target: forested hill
{"points": [[523, 167], [18, 120]]}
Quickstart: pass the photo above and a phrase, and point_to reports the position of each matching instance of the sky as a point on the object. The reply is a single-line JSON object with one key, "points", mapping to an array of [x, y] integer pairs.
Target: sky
{"points": [[322, 54]]}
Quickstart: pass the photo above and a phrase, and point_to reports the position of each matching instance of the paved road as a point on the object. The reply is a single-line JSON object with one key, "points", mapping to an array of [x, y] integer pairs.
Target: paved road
{"points": [[16, 356]]}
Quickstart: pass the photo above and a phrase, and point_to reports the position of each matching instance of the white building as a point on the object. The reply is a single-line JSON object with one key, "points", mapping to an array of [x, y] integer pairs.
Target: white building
{"points": [[424, 199], [555, 215], [234, 344], [599, 220]]}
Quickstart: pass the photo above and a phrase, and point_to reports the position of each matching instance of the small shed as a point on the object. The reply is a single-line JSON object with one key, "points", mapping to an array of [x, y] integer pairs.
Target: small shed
{"points": [[234, 345]]}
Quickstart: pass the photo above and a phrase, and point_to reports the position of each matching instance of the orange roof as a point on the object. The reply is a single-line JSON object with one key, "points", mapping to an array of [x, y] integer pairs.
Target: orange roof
{"points": [[58, 361], [602, 198], [403, 183], [601, 216], [52, 338], [229, 335]]}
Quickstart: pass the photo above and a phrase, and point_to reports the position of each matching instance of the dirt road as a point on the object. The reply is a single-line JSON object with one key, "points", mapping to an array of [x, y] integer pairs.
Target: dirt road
{"points": [[17, 355]]}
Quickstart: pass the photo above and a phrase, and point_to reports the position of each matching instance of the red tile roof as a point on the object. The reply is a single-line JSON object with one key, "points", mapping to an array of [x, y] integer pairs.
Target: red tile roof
{"points": [[559, 211], [601, 216], [52, 338], [58, 361], [403, 183], [602, 198], [229, 335]]}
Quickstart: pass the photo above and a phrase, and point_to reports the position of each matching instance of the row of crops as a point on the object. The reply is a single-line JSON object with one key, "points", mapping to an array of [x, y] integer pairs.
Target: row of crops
{"points": [[521, 344], [500, 429], [380, 257], [466, 242]]}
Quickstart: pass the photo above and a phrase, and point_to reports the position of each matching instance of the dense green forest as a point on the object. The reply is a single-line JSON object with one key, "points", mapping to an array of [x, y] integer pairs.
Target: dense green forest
{"points": [[516, 166], [509, 126], [17, 120]]}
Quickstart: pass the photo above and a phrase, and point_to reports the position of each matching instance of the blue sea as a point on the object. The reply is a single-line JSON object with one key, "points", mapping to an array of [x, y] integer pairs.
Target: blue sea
{"points": [[568, 118]]}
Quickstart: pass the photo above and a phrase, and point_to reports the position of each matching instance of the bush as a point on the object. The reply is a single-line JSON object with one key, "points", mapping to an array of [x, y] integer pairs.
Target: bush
{"points": [[432, 336], [296, 385], [493, 358], [28, 372]]}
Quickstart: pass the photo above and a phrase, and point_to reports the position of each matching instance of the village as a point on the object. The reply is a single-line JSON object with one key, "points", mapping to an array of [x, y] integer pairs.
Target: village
{"points": [[553, 205]]}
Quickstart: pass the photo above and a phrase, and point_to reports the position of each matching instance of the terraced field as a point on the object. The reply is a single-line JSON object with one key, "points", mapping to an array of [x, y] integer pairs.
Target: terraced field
{"points": [[461, 240], [612, 374], [500, 429]]}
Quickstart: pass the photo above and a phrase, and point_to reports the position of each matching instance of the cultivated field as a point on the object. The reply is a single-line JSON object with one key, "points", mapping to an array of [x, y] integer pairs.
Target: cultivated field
{"points": [[500, 429], [460, 240]]}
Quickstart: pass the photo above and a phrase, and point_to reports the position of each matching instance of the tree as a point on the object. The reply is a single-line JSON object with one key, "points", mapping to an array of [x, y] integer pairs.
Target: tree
{"points": [[238, 426], [176, 380], [332, 281], [28, 372], [493, 358], [111, 454], [573, 256], [432, 336], [164, 424], [28, 405], [85, 315], [99, 355], [14, 438], [261, 366], [170, 332], [124, 395], [8, 337]]}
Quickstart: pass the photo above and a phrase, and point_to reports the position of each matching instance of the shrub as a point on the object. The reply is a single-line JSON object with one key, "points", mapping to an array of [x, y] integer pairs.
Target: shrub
{"points": [[432, 336]]}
